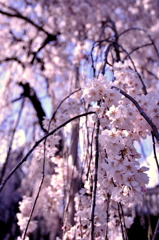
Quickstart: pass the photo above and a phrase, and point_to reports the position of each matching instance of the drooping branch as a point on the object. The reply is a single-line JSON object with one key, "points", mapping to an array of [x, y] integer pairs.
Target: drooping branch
{"points": [[53, 116], [141, 80], [11, 143], [36, 144], [26, 19], [154, 151], [137, 48], [91, 153], [39, 190], [121, 222], [95, 181], [156, 232], [115, 42], [8, 59], [110, 46], [148, 120], [146, 33]]}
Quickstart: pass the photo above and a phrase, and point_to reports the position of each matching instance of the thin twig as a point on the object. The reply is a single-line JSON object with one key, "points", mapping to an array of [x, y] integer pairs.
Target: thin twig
{"points": [[12, 101], [92, 61], [35, 201], [11, 142], [156, 232], [143, 84], [39, 190], [137, 48], [122, 212], [148, 35], [53, 116], [97, 44], [110, 46], [8, 59], [91, 153], [154, 151], [151, 73], [34, 204], [36, 144], [95, 181], [107, 215], [121, 224], [27, 19]]}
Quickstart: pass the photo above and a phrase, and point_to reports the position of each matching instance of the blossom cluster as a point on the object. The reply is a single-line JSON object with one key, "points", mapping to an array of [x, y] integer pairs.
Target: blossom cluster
{"points": [[25, 207], [51, 45], [121, 180]]}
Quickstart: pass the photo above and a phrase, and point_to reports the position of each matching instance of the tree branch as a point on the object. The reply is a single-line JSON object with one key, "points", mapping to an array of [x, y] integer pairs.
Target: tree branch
{"points": [[20, 16], [36, 144], [154, 151], [12, 59], [11, 142], [31, 94], [148, 120], [38, 193], [95, 181], [143, 30], [156, 232]]}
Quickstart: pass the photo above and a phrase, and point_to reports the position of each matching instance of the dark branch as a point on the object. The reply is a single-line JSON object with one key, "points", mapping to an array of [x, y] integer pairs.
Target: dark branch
{"points": [[49, 38], [38, 193], [148, 35], [31, 94], [143, 84], [36, 144], [137, 48], [95, 180], [154, 151], [148, 120], [20, 16], [156, 233], [11, 143], [12, 59]]}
